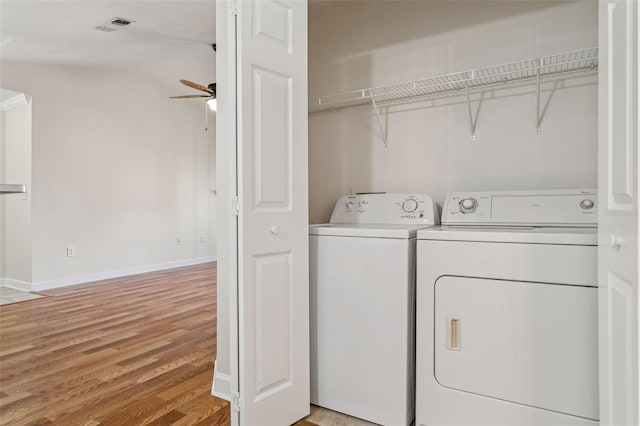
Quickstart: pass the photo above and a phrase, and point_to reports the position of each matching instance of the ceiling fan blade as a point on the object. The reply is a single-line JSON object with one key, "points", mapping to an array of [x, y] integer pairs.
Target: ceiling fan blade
{"points": [[189, 96], [196, 86]]}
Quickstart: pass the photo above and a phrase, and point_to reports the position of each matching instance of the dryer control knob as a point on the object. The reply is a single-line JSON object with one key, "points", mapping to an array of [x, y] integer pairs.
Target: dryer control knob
{"points": [[468, 205], [586, 204]]}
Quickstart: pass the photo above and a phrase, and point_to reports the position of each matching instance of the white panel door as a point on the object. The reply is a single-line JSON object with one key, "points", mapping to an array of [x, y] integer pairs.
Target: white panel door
{"points": [[618, 212], [273, 272]]}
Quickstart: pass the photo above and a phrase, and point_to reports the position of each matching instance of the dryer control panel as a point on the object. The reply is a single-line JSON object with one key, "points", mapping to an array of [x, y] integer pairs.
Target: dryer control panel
{"points": [[522, 208], [401, 209]]}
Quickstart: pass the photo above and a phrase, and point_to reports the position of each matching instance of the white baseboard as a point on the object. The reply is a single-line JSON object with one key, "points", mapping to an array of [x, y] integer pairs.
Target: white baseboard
{"points": [[17, 284], [221, 384], [82, 279]]}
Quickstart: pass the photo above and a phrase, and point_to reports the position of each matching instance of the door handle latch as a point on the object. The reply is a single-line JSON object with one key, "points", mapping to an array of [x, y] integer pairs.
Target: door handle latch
{"points": [[453, 333], [615, 242]]}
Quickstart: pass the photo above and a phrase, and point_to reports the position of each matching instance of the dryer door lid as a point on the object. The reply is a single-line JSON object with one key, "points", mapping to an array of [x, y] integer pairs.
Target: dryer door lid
{"points": [[527, 343]]}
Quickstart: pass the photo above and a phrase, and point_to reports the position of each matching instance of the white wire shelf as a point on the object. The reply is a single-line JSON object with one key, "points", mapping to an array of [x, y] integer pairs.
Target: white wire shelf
{"points": [[528, 69], [537, 68]]}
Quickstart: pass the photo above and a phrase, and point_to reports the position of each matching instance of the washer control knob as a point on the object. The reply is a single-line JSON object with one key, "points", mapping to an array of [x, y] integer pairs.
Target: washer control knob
{"points": [[410, 205], [468, 205], [586, 204]]}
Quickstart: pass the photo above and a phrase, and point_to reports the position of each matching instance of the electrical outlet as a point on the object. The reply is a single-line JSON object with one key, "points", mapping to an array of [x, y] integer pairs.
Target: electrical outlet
{"points": [[202, 239], [178, 241], [71, 251]]}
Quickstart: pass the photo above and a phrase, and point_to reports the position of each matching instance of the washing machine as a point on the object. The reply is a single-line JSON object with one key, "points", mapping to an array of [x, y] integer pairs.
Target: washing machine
{"points": [[362, 305], [507, 311]]}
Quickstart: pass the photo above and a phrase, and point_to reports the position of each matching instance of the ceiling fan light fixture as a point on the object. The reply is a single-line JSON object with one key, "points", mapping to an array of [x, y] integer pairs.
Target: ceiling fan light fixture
{"points": [[213, 104]]}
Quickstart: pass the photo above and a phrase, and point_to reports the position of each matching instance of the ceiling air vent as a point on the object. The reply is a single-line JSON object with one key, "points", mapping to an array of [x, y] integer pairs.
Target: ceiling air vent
{"points": [[113, 24], [121, 22]]}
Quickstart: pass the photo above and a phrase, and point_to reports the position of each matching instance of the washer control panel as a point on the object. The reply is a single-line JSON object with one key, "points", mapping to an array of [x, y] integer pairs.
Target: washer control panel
{"points": [[524, 208], [386, 208]]}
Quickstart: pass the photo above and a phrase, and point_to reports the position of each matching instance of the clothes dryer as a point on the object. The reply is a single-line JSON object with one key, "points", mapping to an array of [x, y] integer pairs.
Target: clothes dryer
{"points": [[507, 311], [362, 305]]}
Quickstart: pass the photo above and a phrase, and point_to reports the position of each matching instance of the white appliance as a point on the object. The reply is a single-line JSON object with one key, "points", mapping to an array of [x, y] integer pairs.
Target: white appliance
{"points": [[362, 295], [507, 311]]}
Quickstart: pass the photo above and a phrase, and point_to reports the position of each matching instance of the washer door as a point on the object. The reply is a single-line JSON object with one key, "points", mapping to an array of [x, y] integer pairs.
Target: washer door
{"points": [[528, 343]]}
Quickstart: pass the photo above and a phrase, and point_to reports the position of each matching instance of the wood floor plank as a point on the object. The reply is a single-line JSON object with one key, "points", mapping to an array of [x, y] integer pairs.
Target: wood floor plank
{"points": [[135, 350], [89, 353]]}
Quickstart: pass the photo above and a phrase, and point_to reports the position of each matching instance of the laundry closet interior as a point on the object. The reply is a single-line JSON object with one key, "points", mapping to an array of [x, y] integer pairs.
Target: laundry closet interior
{"points": [[489, 110], [357, 45]]}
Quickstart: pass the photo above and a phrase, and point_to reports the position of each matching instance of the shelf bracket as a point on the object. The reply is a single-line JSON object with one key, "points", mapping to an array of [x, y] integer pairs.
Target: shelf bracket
{"points": [[472, 121], [375, 110], [538, 116]]}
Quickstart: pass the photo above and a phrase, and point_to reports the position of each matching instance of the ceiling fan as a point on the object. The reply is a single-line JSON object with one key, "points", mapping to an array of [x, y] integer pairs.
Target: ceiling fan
{"points": [[210, 91]]}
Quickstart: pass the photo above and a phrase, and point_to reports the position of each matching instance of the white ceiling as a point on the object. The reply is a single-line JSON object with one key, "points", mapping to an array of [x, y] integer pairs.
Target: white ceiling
{"points": [[169, 40]]}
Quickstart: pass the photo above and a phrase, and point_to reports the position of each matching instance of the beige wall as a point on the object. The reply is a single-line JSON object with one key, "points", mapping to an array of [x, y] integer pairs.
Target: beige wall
{"points": [[15, 210], [2, 203], [119, 171], [355, 45]]}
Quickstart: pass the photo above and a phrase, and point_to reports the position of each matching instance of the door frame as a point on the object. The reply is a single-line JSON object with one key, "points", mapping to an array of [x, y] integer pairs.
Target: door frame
{"points": [[226, 367]]}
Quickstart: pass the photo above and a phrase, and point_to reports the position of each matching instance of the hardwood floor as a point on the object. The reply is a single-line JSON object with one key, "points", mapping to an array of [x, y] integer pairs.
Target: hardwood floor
{"points": [[129, 351], [136, 350]]}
